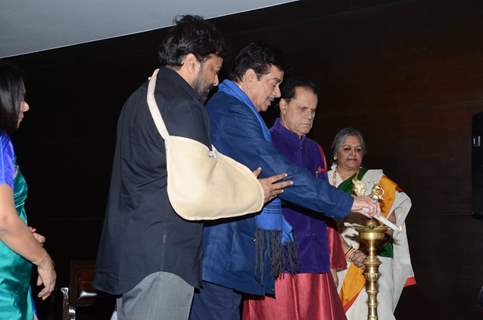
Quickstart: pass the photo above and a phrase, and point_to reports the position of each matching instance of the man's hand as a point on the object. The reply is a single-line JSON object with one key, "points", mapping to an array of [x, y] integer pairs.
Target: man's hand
{"points": [[272, 186], [366, 207]]}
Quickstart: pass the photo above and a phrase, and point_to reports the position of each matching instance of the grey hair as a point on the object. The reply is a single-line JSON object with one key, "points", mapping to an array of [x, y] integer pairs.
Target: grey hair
{"points": [[340, 138]]}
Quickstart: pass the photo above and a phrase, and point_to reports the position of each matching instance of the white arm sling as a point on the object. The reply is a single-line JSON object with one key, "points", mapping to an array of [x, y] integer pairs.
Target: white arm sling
{"points": [[204, 184]]}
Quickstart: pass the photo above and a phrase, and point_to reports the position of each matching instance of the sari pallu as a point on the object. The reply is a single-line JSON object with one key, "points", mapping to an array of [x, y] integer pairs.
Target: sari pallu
{"points": [[396, 270]]}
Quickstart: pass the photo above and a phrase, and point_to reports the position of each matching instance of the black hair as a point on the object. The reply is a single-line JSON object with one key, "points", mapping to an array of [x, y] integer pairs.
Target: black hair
{"points": [[191, 34], [257, 56], [288, 86], [12, 93]]}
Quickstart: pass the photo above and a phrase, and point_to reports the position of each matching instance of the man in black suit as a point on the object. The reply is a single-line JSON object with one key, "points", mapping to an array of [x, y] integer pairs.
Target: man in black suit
{"points": [[148, 255]]}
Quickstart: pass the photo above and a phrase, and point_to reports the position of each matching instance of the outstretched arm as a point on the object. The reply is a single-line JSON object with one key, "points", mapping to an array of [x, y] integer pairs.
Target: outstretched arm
{"points": [[239, 136]]}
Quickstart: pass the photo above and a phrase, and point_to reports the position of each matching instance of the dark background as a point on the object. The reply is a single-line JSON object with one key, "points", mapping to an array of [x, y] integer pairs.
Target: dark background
{"points": [[409, 74]]}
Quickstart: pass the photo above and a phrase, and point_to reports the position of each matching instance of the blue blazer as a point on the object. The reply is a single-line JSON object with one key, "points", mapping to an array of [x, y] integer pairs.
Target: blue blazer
{"points": [[229, 245]]}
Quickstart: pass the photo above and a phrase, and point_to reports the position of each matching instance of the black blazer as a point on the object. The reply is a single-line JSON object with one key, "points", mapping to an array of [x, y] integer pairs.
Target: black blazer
{"points": [[142, 234]]}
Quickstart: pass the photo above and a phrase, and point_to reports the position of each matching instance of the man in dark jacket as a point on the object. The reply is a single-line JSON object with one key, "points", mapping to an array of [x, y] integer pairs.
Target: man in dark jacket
{"points": [[148, 255], [235, 251]]}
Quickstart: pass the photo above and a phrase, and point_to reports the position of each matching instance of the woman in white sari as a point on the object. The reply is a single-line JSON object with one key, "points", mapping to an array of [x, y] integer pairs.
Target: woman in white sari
{"points": [[348, 150]]}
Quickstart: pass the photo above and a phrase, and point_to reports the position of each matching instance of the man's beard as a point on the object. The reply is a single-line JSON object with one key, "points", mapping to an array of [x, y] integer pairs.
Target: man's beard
{"points": [[204, 93], [202, 88]]}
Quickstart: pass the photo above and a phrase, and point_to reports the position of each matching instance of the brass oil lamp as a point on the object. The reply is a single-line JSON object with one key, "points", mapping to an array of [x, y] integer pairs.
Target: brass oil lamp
{"points": [[372, 237]]}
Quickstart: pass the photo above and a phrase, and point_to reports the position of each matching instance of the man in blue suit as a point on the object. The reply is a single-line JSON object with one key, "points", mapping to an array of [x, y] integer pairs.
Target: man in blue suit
{"points": [[241, 255]]}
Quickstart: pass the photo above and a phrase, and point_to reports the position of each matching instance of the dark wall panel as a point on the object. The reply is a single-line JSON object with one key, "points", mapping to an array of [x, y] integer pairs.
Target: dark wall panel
{"points": [[477, 164]]}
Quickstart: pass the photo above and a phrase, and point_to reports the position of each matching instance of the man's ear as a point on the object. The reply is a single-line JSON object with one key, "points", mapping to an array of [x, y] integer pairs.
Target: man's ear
{"points": [[282, 104], [250, 75], [191, 65]]}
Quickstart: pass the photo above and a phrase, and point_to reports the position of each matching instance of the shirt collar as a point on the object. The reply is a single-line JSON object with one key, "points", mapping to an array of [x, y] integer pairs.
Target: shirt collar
{"points": [[290, 136], [168, 73]]}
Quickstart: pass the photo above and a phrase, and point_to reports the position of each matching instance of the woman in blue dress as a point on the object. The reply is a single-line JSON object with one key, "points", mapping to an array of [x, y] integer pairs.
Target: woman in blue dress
{"points": [[20, 246]]}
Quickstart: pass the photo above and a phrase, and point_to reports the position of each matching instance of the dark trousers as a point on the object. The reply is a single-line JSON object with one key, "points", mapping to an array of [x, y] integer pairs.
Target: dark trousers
{"points": [[214, 302]]}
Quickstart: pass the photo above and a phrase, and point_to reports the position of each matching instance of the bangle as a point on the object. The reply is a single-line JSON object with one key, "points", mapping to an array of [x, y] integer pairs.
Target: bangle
{"points": [[349, 253]]}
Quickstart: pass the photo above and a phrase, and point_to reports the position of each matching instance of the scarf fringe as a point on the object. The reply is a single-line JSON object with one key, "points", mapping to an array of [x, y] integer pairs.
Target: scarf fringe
{"points": [[283, 257]]}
